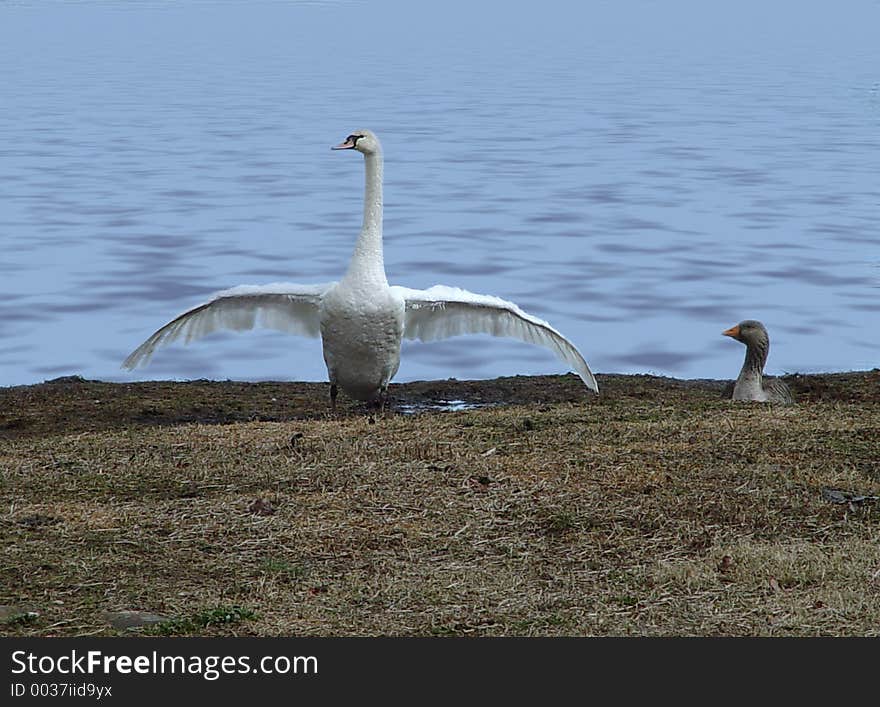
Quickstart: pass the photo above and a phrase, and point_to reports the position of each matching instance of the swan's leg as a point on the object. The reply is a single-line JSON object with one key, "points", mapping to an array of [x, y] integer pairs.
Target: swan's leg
{"points": [[334, 391], [378, 403]]}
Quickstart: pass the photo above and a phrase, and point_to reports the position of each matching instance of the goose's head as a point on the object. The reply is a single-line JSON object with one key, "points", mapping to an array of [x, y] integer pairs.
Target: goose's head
{"points": [[748, 332], [361, 140]]}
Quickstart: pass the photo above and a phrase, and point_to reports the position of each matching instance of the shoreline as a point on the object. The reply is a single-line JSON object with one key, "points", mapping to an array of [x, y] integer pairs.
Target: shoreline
{"points": [[72, 404]]}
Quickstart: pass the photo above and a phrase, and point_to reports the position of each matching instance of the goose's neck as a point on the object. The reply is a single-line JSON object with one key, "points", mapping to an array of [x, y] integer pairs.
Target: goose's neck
{"points": [[756, 357], [368, 262]]}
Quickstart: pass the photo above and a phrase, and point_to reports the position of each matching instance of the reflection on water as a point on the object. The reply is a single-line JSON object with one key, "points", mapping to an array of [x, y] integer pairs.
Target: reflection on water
{"points": [[642, 201]]}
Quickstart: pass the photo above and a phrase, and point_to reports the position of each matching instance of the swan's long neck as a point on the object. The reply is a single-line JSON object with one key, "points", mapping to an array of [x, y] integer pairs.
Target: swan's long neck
{"points": [[367, 262]]}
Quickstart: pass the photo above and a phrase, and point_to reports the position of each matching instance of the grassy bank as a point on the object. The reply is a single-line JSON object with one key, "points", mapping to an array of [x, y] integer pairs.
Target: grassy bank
{"points": [[229, 508]]}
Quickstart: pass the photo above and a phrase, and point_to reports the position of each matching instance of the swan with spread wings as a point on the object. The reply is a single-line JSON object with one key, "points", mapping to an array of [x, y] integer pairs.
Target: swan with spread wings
{"points": [[362, 319]]}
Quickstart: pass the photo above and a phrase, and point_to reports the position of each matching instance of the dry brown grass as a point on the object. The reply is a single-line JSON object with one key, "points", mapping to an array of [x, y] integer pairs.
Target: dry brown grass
{"points": [[655, 509]]}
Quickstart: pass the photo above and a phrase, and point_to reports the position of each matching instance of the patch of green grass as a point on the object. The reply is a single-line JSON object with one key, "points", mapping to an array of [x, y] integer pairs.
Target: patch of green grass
{"points": [[560, 522], [538, 624], [25, 618], [218, 616], [284, 568]]}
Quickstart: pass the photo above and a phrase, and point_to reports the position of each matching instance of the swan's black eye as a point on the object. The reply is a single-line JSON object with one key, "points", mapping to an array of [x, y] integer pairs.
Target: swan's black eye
{"points": [[354, 139]]}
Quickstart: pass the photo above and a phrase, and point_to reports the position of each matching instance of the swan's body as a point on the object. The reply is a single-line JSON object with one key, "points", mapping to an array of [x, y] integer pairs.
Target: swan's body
{"points": [[361, 319], [751, 383], [361, 330]]}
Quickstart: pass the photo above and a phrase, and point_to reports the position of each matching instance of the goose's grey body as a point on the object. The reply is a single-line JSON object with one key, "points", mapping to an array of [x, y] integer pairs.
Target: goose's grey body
{"points": [[362, 319], [752, 384]]}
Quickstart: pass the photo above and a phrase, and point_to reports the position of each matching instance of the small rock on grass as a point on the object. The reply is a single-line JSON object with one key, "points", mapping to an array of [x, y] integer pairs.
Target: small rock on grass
{"points": [[261, 507], [838, 496], [126, 619]]}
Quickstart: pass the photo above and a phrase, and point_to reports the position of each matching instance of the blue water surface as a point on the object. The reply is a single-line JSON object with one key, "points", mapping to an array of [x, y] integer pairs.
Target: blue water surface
{"points": [[641, 174]]}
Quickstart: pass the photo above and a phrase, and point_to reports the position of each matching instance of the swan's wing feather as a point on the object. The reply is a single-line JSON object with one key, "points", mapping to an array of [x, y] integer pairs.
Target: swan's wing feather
{"points": [[283, 306], [441, 312]]}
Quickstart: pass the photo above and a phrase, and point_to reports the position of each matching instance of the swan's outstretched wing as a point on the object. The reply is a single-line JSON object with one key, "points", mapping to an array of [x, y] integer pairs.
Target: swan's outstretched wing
{"points": [[441, 312], [283, 306]]}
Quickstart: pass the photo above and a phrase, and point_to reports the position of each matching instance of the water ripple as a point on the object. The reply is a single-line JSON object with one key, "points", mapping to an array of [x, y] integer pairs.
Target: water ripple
{"points": [[640, 205]]}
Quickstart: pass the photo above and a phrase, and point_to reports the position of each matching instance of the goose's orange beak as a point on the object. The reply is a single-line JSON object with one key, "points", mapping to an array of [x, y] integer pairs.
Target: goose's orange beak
{"points": [[733, 331]]}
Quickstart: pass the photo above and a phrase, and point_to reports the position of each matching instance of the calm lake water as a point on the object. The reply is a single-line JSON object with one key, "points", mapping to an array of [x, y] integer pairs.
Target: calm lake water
{"points": [[642, 175]]}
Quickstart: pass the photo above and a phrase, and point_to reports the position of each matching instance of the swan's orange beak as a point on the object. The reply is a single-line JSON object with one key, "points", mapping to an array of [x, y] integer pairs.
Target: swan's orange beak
{"points": [[347, 145], [733, 331]]}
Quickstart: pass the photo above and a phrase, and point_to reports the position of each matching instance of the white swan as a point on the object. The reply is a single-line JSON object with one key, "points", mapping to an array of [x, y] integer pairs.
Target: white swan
{"points": [[361, 319]]}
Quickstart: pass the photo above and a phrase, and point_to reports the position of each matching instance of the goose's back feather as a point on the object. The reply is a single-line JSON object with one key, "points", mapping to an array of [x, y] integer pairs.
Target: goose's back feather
{"points": [[777, 391]]}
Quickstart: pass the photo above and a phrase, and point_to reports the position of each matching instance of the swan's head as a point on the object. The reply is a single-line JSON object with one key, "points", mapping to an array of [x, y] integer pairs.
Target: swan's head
{"points": [[748, 332], [361, 140]]}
